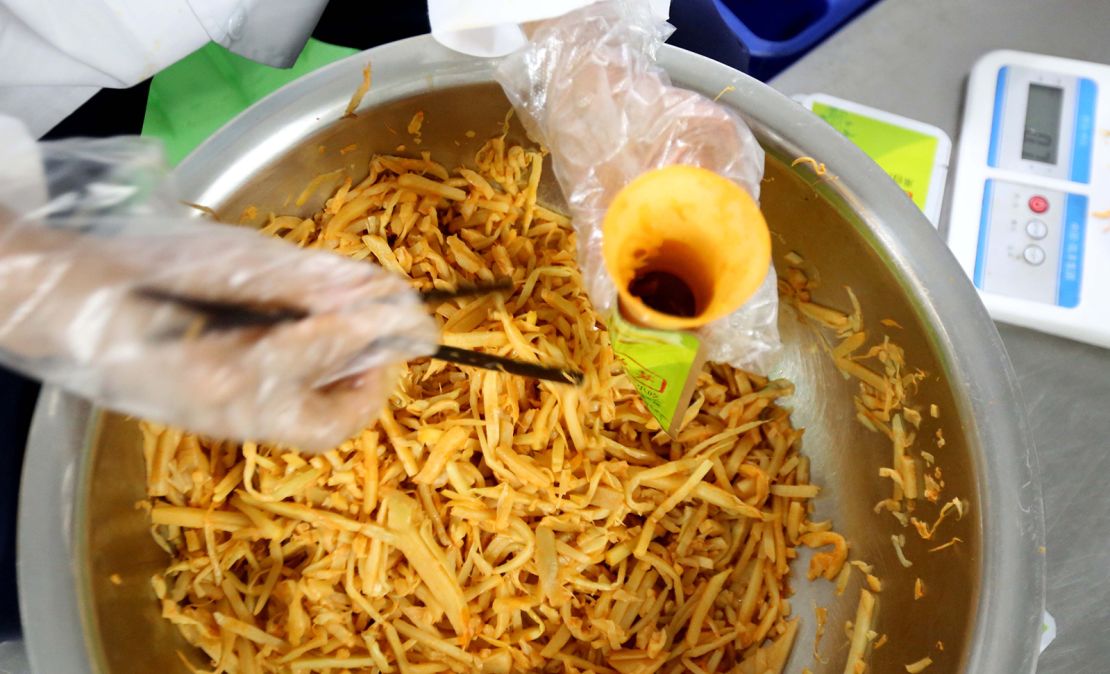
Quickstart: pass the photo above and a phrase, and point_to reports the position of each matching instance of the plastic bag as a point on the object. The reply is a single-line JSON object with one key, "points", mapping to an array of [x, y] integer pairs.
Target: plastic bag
{"points": [[83, 280], [588, 88]]}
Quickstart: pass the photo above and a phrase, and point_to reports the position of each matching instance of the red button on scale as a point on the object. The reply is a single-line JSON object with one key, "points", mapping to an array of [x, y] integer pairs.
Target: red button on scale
{"points": [[1038, 204]]}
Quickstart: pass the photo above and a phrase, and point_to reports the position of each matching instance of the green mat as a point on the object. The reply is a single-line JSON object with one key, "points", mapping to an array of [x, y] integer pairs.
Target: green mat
{"points": [[194, 97]]}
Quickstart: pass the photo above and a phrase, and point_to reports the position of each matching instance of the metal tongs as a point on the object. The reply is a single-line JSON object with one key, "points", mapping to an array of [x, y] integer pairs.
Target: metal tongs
{"points": [[225, 315]]}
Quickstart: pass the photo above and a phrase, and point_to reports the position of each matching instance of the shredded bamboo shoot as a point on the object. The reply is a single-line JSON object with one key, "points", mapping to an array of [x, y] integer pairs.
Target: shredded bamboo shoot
{"points": [[487, 521]]}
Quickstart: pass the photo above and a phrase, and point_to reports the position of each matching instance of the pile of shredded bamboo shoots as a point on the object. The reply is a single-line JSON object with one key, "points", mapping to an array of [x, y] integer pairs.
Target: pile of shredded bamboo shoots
{"points": [[489, 522]]}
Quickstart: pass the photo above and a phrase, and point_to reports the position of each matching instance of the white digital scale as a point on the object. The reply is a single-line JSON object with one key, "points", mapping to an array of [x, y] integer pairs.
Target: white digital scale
{"points": [[1030, 218]]}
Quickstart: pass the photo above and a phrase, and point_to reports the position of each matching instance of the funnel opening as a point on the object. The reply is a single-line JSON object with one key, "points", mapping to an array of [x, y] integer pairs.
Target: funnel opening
{"points": [[672, 280], [664, 292]]}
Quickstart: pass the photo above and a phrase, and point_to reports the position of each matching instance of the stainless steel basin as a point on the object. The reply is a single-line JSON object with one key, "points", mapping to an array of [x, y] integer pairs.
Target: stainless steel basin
{"points": [[85, 554]]}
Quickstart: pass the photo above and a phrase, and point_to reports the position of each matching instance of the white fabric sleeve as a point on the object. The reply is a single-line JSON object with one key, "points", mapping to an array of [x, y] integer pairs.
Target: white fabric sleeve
{"points": [[58, 53], [22, 183]]}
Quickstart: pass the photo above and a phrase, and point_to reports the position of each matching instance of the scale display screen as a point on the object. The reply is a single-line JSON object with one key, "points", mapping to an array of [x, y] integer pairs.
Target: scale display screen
{"points": [[1042, 123]]}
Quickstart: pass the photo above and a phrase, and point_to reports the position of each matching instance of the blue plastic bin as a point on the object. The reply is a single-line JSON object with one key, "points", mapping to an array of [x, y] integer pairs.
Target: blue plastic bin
{"points": [[778, 32]]}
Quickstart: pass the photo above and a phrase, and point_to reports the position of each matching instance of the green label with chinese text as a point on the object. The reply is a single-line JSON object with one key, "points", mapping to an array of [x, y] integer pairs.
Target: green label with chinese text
{"points": [[906, 155], [658, 362]]}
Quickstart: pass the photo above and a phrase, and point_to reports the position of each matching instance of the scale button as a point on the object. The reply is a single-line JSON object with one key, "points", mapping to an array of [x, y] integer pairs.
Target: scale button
{"points": [[1038, 204], [1036, 229], [1034, 255]]}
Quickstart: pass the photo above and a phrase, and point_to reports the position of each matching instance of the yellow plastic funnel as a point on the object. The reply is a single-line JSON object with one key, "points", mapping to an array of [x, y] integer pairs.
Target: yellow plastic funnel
{"points": [[685, 247]]}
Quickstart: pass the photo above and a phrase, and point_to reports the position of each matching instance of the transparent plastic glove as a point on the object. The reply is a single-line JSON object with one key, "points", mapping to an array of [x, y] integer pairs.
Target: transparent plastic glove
{"points": [[76, 309], [587, 87]]}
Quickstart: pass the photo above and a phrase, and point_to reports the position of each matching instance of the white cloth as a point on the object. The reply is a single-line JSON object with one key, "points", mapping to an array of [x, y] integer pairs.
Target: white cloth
{"points": [[491, 28], [22, 183], [58, 53]]}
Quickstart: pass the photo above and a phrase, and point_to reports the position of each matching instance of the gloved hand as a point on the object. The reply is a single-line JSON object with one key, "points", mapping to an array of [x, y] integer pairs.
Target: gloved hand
{"points": [[587, 87], [82, 286]]}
